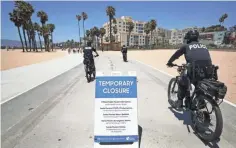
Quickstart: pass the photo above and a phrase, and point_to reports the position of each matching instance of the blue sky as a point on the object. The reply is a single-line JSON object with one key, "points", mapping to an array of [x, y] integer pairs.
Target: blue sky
{"points": [[168, 15]]}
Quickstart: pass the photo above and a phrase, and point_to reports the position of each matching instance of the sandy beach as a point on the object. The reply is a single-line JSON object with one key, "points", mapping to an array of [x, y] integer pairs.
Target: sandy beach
{"points": [[225, 60], [17, 58]]}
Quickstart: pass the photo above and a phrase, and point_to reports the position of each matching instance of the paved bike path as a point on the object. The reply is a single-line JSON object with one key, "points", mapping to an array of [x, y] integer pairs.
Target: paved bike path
{"points": [[19, 80], [69, 122]]}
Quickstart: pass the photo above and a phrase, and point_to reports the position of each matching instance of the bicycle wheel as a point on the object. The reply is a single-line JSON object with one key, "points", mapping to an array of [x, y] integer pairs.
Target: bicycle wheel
{"points": [[172, 92], [88, 75], [203, 119]]}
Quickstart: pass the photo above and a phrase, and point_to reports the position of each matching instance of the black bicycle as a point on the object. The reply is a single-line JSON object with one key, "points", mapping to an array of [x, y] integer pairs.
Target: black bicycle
{"points": [[204, 103], [90, 69]]}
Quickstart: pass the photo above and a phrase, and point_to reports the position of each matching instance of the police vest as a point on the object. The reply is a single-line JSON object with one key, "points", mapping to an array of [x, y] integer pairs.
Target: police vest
{"points": [[88, 53]]}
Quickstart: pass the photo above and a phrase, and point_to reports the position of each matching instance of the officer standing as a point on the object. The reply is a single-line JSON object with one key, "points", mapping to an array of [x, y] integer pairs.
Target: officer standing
{"points": [[124, 53]]}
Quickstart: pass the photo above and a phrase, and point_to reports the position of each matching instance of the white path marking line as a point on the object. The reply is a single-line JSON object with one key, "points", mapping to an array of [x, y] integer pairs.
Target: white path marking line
{"points": [[226, 101]]}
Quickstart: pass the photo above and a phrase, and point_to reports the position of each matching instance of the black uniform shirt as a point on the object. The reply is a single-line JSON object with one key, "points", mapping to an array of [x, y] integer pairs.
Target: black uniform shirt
{"points": [[193, 51], [88, 52]]}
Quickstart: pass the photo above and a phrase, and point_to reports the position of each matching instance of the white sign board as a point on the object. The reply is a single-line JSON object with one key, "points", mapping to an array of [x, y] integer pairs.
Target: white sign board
{"points": [[116, 119]]}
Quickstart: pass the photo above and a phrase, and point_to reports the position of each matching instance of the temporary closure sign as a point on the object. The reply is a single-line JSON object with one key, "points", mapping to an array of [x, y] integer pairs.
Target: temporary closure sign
{"points": [[116, 111]]}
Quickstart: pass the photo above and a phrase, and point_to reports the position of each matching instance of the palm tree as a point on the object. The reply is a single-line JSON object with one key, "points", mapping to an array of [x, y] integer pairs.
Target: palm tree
{"points": [[28, 28], [102, 33], [111, 12], [33, 34], [114, 21], [130, 29], [26, 11], [78, 18], [222, 18], [97, 34], [153, 25], [45, 32], [51, 29], [38, 30], [107, 39], [94, 32], [114, 28], [115, 31], [17, 20], [85, 17], [147, 31], [203, 29], [43, 19]]}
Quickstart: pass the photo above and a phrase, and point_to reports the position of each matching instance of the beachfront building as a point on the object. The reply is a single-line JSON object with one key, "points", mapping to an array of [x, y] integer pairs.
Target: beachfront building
{"points": [[212, 37], [137, 36], [177, 37]]}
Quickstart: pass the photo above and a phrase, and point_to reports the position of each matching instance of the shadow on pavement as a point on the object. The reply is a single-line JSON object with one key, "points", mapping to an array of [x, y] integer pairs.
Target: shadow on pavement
{"points": [[186, 117], [140, 131]]}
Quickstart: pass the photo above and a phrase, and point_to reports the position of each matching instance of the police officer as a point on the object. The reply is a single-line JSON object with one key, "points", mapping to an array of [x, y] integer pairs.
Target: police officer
{"points": [[88, 53], [194, 52], [124, 53]]}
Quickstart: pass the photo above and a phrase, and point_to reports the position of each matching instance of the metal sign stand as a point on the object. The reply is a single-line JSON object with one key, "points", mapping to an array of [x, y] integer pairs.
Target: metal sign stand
{"points": [[116, 118]]}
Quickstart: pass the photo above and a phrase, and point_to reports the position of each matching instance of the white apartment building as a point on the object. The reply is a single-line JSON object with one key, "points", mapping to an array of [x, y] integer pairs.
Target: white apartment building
{"points": [[137, 36], [165, 31], [177, 36]]}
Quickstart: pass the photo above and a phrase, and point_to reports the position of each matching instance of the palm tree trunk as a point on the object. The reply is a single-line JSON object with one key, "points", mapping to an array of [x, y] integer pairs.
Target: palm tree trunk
{"points": [[32, 40], [150, 41], [102, 42], [35, 43], [29, 39], [48, 43], [84, 30], [110, 28], [128, 39], [25, 40], [22, 44], [45, 43], [146, 40], [40, 42], [79, 32], [52, 41]]}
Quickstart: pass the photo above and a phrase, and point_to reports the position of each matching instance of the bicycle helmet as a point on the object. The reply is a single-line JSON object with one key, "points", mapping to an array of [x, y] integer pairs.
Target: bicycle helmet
{"points": [[191, 35], [89, 43]]}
